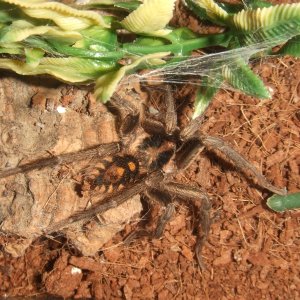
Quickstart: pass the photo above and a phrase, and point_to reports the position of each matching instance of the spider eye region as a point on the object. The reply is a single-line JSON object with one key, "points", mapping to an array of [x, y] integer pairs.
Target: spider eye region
{"points": [[122, 170]]}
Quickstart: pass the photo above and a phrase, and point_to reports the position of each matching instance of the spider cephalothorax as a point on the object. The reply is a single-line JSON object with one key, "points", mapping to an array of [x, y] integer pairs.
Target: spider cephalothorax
{"points": [[150, 151]]}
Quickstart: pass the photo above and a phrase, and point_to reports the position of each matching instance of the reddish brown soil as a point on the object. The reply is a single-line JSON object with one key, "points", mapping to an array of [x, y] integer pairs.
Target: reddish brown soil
{"points": [[251, 251]]}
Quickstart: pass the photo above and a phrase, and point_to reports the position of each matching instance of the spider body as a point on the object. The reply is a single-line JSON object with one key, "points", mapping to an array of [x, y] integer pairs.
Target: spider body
{"points": [[151, 151]]}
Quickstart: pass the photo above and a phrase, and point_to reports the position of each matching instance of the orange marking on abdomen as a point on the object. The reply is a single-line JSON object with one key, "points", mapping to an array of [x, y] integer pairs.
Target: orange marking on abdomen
{"points": [[131, 166], [120, 171]]}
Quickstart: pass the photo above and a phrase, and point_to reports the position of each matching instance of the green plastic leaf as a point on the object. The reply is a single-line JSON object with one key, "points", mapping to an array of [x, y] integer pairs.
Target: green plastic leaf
{"points": [[199, 11], [96, 2], [33, 56], [94, 42], [276, 24], [283, 203], [64, 16], [151, 17], [7, 13], [128, 6], [235, 8], [231, 8], [208, 10], [253, 4], [204, 95], [260, 22], [292, 47], [98, 39], [37, 42], [72, 70], [241, 77], [21, 29], [78, 52], [179, 35], [107, 84], [11, 50]]}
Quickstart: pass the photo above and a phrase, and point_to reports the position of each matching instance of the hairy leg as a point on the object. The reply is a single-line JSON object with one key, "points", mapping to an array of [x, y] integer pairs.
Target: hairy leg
{"points": [[169, 209], [168, 125], [99, 151], [171, 116], [184, 191], [126, 112], [240, 162]]}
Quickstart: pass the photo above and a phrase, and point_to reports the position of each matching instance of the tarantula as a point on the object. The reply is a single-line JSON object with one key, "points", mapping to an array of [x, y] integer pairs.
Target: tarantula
{"points": [[151, 151]]}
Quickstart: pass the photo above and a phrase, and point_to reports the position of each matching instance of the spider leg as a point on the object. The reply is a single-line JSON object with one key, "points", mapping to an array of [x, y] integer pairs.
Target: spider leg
{"points": [[111, 201], [168, 125], [166, 200], [126, 112], [240, 162], [184, 191], [162, 221], [203, 228], [152, 126], [187, 153], [191, 132], [171, 116], [99, 151], [192, 128]]}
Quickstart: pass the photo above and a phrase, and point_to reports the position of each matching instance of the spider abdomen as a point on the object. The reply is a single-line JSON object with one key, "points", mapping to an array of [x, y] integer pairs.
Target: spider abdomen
{"points": [[113, 174], [121, 170]]}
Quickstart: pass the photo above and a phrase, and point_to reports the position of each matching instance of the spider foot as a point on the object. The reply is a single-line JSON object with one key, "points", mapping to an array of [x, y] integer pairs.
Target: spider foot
{"points": [[205, 222], [157, 233]]}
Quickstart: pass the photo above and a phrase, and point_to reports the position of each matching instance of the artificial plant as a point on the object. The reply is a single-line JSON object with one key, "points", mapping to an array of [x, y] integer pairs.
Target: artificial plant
{"points": [[77, 45]]}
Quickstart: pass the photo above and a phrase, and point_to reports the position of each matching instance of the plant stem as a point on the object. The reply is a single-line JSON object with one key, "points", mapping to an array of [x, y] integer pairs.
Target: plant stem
{"points": [[184, 47]]}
